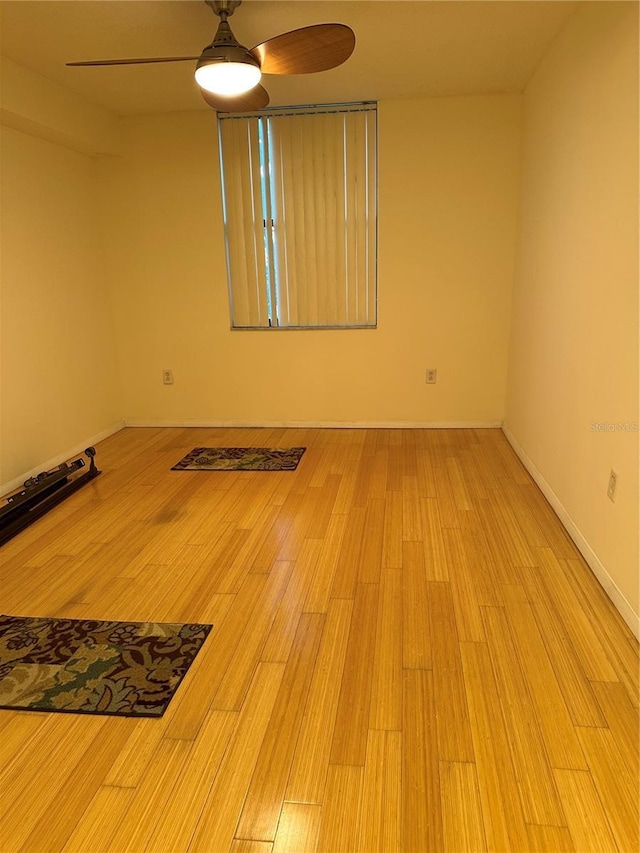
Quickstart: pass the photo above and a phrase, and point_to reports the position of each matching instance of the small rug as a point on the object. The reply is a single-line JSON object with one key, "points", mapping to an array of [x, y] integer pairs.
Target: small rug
{"points": [[240, 459], [82, 666]]}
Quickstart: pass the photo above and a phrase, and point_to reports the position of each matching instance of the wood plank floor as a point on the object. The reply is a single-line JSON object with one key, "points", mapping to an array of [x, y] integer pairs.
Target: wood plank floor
{"points": [[408, 654]]}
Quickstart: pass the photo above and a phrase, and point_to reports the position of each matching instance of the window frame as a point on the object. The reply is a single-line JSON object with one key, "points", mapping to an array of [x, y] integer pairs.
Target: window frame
{"points": [[268, 214]]}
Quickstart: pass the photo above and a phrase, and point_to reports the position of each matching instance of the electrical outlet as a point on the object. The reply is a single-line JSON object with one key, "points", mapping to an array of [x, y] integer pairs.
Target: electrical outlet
{"points": [[613, 482], [167, 377], [431, 376]]}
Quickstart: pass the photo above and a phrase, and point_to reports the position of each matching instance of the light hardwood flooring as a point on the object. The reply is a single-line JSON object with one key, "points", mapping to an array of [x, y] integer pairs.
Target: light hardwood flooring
{"points": [[408, 654]]}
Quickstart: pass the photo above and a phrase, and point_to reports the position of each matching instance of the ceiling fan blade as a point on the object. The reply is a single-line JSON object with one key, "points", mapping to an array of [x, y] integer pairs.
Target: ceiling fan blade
{"points": [[306, 50], [136, 61], [254, 99]]}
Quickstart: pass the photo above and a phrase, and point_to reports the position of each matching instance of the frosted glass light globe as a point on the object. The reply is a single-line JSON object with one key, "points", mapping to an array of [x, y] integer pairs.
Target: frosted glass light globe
{"points": [[227, 78]]}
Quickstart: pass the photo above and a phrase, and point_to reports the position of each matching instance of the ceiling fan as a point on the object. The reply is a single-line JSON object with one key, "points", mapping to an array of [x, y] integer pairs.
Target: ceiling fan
{"points": [[228, 73]]}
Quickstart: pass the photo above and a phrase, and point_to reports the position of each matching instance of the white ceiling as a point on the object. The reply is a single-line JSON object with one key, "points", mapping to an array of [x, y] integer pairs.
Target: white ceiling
{"points": [[404, 48]]}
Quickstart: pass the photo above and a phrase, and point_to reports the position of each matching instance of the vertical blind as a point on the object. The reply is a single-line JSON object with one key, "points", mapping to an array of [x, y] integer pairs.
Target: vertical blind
{"points": [[299, 196]]}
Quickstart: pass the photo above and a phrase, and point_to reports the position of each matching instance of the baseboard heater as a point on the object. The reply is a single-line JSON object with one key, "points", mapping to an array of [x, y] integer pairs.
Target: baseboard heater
{"points": [[42, 493]]}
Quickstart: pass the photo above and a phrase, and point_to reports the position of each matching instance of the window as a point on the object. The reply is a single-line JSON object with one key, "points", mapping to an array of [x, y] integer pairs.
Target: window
{"points": [[299, 204]]}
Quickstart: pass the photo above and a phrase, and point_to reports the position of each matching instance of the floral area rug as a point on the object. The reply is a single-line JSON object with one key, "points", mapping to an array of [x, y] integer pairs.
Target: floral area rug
{"points": [[82, 666], [240, 459]]}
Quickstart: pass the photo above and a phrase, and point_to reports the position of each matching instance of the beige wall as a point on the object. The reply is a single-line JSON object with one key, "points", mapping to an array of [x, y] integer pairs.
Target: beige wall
{"points": [[574, 346], [39, 107], [58, 380], [448, 185]]}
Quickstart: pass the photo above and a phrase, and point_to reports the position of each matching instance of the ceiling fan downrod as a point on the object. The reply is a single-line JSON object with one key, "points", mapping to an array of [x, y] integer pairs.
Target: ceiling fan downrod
{"points": [[223, 8]]}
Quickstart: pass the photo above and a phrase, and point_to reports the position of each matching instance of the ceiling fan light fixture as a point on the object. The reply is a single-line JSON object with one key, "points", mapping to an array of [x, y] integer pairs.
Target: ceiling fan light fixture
{"points": [[227, 78], [229, 74], [227, 70]]}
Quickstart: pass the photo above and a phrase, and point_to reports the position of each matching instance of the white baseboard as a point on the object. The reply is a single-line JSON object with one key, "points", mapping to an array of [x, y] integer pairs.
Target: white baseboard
{"points": [[606, 581], [141, 422], [46, 465]]}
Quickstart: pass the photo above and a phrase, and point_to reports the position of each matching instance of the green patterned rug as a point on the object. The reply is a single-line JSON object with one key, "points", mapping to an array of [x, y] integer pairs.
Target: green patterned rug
{"points": [[82, 666], [240, 459]]}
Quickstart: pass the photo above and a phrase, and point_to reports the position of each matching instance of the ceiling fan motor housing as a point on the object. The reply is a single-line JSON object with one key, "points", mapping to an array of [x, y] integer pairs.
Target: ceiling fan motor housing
{"points": [[226, 48], [226, 53]]}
